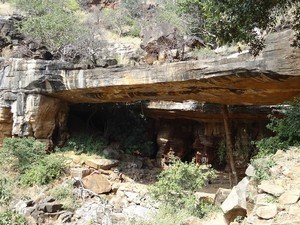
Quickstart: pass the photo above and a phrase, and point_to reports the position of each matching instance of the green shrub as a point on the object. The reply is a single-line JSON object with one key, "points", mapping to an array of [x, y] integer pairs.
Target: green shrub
{"points": [[176, 186], [62, 192], [262, 167], [43, 171], [85, 143], [5, 190], [286, 129], [52, 22], [11, 218], [21, 153], [119, 21]]}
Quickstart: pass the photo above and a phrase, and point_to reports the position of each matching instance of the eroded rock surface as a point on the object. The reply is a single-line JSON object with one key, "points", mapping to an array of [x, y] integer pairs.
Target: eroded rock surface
{"points": [[270, 78], [5, 123]]}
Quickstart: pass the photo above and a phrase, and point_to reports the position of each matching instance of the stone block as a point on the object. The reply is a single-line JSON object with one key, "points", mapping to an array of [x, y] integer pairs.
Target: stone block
{"points": [[104, 164], [267, 187], [50, 207], [267, 212], [97, 183], [80, 172], [289, 197]]}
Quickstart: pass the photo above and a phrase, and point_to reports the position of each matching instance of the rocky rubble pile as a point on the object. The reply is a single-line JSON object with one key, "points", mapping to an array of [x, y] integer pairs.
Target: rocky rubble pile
{"points": [[104, 194], [273, 201]]}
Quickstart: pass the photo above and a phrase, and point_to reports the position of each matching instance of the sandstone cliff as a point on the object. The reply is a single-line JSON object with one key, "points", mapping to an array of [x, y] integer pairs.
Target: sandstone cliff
{"points": [[32, 87]]}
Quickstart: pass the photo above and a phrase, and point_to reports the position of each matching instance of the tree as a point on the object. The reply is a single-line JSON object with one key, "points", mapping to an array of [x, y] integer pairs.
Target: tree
{"points": [[51, 22], [228, 21], [55, 24]]}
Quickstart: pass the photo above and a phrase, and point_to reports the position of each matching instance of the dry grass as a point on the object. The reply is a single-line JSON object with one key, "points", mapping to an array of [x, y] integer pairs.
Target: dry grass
{"points": [[115, 38]]}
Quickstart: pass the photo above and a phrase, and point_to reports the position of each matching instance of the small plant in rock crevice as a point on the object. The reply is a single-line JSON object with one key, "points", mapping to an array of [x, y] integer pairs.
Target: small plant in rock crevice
{"points": [[262, 167]]}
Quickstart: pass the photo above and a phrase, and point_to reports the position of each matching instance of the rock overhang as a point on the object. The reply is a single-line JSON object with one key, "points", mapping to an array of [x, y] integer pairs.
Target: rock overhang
{"points": [[238, 79]]}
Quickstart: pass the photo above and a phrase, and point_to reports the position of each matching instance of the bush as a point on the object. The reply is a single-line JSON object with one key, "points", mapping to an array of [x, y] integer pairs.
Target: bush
{"points": [[85, 143], [176, 186], [119, 21], [262, 167], [63, 191], [22, 152], [43, 171], [59, 26], [11, 218], [286, 129], [51, 22]]}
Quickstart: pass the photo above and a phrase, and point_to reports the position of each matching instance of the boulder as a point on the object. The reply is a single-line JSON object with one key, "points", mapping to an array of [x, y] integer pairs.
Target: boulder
{"points": [[236, 204], [49, 207], [289, 197], [221, 195], [80, 172], [97, 183], [267, 187], [267, 212], [104, 164], [159, 37], [250, 171]]}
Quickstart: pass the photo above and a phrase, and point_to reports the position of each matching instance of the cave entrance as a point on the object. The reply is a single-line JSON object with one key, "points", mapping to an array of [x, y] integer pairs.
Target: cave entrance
{"points": [[134, 129], [121, 126]]}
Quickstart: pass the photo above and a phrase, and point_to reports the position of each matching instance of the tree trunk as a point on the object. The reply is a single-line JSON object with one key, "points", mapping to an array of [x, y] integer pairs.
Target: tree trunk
{"points": [[229, 143]]}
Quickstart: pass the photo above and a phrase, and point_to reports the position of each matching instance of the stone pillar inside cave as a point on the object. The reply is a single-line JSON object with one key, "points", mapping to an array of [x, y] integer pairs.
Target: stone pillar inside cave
{"points": [[42, 117], [5, 123]]}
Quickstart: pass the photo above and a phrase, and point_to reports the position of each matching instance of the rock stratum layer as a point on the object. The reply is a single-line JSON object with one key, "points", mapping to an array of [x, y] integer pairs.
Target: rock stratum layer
{"points": [[270, 78]]}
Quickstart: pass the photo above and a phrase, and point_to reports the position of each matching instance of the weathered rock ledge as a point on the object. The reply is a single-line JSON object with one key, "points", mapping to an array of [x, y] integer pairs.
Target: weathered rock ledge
{"points": [[270, 78]]}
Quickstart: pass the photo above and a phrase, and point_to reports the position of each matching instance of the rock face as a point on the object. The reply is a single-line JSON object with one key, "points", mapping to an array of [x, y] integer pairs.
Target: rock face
{"points": [[38, 92], [41, 117], [5, 123]]}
